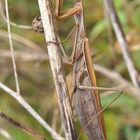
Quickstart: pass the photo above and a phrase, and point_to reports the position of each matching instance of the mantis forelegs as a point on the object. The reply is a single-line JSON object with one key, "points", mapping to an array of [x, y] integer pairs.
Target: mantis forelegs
{"points": [[69, 13]]}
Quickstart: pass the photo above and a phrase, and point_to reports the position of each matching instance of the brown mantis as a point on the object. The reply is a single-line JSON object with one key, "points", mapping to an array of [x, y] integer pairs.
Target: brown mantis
{"points": [[85, 88]]}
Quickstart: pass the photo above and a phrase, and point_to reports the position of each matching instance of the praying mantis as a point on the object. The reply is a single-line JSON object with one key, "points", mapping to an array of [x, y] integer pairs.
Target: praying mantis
{"points": [[85, 90]]}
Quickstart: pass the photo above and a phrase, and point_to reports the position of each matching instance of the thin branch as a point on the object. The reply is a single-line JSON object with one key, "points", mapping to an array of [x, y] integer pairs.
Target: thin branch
{"points": [[24, 104], [11, 47], [29, 131], [123, 43], [109, 30]]}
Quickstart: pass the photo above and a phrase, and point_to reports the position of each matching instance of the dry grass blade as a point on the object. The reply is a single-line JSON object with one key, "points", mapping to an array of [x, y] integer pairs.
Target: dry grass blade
{"points": [[12, 49], [24, 104], [22, 127]]}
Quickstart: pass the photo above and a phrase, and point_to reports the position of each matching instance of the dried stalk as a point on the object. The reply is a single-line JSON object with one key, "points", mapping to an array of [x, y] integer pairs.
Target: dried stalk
{"points": [[57, 69], [27, 130], [24, 104], [123, 43], [12, 49]]}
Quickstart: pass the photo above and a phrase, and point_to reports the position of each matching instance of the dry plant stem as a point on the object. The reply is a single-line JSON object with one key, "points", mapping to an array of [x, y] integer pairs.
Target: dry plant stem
{"points": [[123, 43], [57, 69], [117, 78], [11, 47], [24, 104], [109, 31], [2, 12], [29, 131]]}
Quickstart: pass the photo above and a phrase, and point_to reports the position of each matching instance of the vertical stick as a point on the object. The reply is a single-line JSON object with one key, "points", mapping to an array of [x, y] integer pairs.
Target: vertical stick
{"points": [[123, 43], [57, 69]]}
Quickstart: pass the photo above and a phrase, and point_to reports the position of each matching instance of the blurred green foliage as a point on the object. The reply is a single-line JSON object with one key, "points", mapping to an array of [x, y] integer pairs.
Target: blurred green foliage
{"points": [[35, 77]]}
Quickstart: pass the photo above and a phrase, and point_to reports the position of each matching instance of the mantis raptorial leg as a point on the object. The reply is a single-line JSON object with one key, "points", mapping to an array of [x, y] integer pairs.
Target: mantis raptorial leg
{"points": [[58, 7], [72, 57], [37, 23], [67, 14]]}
